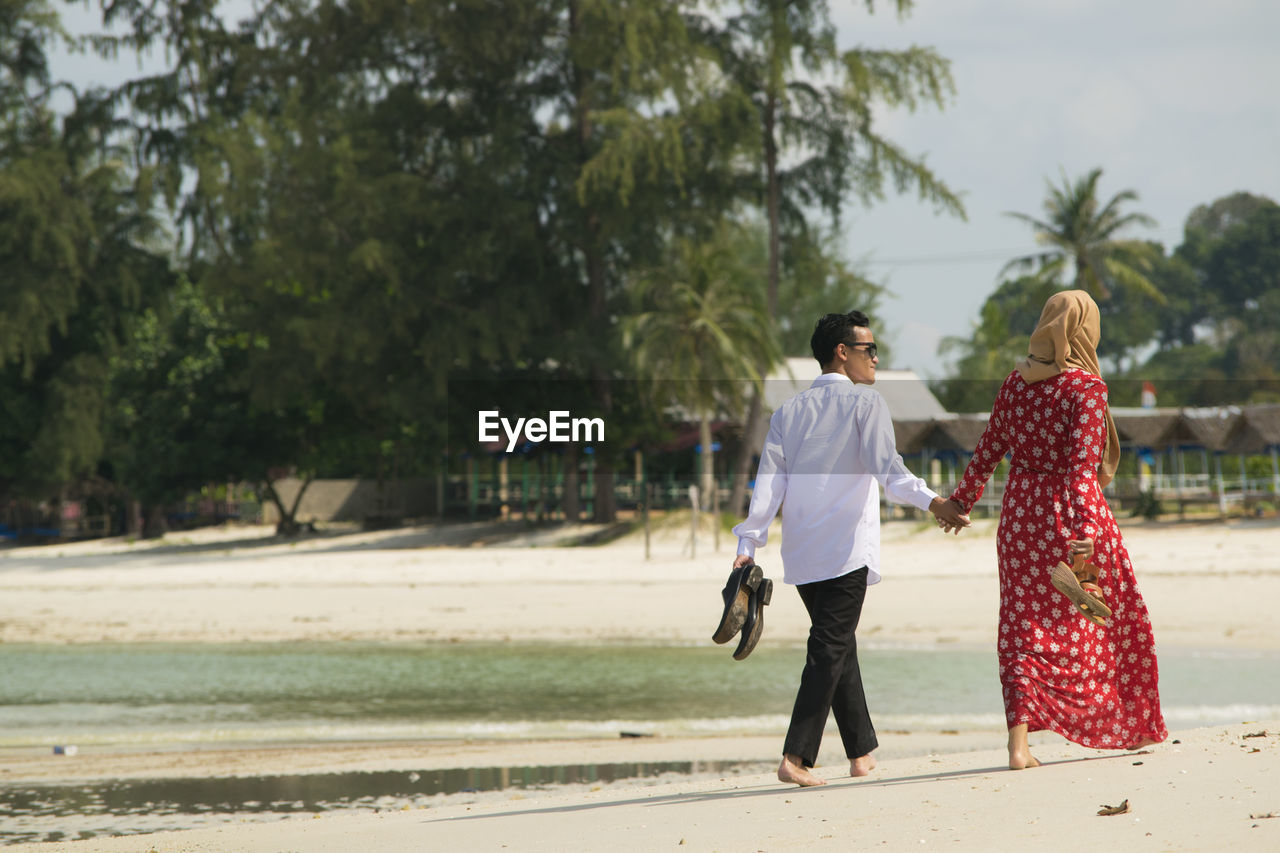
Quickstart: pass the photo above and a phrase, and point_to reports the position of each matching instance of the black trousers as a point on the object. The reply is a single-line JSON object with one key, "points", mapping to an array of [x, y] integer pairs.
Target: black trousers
{"points": [[831, 680]]}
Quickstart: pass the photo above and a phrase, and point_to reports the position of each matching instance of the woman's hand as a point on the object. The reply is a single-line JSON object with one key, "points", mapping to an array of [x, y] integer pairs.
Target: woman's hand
{"points": [[949, 515], [1081, 547]]}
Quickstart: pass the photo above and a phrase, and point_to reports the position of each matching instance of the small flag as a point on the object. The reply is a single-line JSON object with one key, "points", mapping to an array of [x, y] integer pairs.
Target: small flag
{"points": [[1148, 395]]}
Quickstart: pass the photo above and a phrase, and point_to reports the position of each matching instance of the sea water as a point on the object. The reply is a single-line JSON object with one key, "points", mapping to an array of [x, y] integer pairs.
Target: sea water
{"points": [[166, 696], [264, 693]]}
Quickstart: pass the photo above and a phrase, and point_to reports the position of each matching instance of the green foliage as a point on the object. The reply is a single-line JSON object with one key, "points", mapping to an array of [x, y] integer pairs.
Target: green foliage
{"points": [[983, 360], [76, 247], [182, 412], [1210, 339], [816, 280], [1082, 235], [698, 333], [1147, 506]]}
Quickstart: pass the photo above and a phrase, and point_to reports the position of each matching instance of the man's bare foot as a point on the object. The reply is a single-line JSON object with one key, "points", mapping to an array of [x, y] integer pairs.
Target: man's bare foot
{"points": [[862, 766], [792, 770]]}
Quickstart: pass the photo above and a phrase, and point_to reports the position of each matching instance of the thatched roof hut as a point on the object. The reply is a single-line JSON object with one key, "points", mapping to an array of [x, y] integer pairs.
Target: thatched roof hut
{"points": [[1256, 430]]}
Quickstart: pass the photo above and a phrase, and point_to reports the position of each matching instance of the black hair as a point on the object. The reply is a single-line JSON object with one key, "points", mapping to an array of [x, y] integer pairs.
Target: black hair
{"points": [[832, 329]]}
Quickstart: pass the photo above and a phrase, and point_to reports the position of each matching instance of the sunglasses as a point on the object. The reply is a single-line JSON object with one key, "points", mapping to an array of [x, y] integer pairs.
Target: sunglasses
{"points": [[869, 347]]}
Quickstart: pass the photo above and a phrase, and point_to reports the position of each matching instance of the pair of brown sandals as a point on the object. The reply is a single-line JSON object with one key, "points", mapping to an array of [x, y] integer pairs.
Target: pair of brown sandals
{"points": [[1079, 583], [745, 595]]}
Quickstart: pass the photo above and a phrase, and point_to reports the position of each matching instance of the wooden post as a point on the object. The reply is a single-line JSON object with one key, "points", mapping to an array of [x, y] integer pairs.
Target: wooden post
{"points": [[693, 515], [715, 515], [524, 488], [1180, 464], [1222, 491], [648, 499], [1275, 472], [473, 486], [504, 488]]}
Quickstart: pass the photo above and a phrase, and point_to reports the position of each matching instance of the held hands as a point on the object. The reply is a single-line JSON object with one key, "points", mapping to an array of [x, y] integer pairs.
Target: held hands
{"points": [[949, 515]]}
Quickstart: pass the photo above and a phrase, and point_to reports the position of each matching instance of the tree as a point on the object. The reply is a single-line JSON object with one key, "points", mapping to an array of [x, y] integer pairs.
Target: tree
{"points": [[366, 202], [999, 339], [814, 102], [627, 127], [815, 278], [1212, 220], [78, 246], [1082, 236], [182, 417], [699, 333]]}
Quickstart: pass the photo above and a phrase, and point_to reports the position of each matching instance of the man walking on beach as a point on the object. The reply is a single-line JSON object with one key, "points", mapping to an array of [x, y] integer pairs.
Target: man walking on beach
{"points": [[826, 449]]}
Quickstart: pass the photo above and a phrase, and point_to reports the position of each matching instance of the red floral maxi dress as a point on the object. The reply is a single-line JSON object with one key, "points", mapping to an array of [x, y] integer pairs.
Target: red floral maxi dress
{"points": [[1095, 686]]}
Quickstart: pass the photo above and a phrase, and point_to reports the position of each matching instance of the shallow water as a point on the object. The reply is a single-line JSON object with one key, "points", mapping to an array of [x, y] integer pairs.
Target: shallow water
{"points": [[55, 813], [262, 693]]}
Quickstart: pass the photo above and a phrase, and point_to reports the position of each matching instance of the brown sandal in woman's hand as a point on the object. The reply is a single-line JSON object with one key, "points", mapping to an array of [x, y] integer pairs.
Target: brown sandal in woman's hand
{"points": [[1087, 573], [1079, 583]]}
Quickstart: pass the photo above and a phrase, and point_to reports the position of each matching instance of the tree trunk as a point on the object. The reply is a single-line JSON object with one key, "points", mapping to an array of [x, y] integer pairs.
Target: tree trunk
{"points": [[133, 517], [605, 509], [755, 411], [288, 523], [606, 504], [156, 524], [746, 451], [773, 202]]}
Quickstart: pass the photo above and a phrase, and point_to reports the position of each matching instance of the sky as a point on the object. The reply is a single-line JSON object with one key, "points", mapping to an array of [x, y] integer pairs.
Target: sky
{"points": [[1173, 99]]}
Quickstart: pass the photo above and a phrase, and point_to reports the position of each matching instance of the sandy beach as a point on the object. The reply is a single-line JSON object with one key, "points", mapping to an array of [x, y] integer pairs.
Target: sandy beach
{"points": [[1208, 586]]}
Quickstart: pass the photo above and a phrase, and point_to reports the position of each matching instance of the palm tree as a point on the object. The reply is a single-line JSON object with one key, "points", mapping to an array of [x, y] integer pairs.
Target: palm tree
{"points": [[1081, 234], [811, 106], [702, 331]]}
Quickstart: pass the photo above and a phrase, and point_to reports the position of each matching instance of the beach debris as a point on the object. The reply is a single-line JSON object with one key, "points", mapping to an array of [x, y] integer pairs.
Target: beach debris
{"points": [[1262, 733], [69, 749], [635, 734], [1264, 816], [1106, 810]]}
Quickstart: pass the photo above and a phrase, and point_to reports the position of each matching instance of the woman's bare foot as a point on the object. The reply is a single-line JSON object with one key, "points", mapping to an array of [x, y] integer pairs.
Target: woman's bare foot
{"points": [[792, 770], [862, 766], [1146, 741], [1020, 757]]}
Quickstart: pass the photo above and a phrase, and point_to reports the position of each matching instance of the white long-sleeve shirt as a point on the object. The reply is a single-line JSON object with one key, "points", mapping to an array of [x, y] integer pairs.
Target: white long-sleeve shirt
{"points": [[829, 449]]}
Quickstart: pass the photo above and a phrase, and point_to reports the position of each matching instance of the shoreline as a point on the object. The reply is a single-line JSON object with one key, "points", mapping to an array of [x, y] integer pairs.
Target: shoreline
{"points": [[1204, 789], [28, 766]]}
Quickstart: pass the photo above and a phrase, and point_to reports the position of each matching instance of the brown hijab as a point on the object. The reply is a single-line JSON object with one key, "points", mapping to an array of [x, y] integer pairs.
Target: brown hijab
{"points": [[1067, 336]]}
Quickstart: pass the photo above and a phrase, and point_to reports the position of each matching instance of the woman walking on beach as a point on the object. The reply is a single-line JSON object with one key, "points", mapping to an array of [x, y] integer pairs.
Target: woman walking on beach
{"points": [[1063, 666]]}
